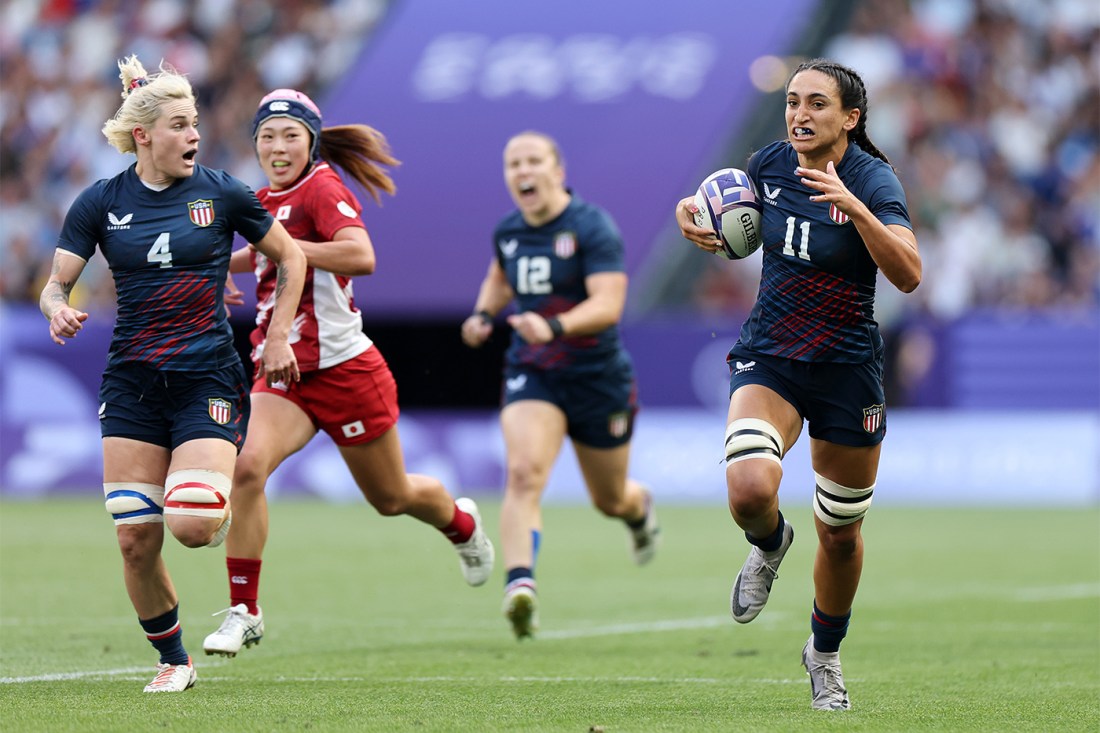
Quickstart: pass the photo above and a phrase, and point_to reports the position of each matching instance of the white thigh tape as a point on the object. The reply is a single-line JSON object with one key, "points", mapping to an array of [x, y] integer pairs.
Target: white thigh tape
{"points": [[750, 437], [197, 492], [134, 503], [838, 505]]}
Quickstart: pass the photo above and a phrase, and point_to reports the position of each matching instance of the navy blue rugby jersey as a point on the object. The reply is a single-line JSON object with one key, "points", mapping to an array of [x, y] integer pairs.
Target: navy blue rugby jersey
{"points": [[169, 254], [817, 286], [546, 267]]}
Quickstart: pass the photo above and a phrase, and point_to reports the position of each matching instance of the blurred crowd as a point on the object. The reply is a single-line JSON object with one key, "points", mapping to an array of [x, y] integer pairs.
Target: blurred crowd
{"points": [[990, 112], [60, 84]]}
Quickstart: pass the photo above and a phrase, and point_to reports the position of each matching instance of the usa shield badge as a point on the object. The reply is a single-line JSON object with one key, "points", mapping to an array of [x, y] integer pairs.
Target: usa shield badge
{"points": [[618, 423], [220, 410], [837, 215], [565, 244], [872, 417], [201, 212]]}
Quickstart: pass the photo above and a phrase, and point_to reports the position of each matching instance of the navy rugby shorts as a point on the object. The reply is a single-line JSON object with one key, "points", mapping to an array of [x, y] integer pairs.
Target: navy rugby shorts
{"points": [[169, 408], [599, 406], [841, 403]]}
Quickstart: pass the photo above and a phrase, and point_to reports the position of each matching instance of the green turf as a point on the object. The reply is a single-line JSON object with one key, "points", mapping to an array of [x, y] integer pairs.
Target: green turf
{"points": [[973, 620]]}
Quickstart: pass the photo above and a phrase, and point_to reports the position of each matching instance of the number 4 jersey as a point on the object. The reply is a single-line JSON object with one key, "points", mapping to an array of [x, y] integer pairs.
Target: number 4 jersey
{"points": [[817, 287], [169, 254]]}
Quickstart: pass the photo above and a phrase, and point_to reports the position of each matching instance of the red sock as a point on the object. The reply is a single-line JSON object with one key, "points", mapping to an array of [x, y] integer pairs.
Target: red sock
{"points": [[244, 582], [461, 527]]}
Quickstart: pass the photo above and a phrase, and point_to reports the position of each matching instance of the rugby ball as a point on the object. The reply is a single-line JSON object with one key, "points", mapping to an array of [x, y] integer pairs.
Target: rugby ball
{"points": [[728, 204]]}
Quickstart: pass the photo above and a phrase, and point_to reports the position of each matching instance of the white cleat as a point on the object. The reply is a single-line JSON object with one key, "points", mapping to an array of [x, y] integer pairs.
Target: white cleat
{"points": [[646, 540], [476, 554], [827, 689], [521, 608], [239, 629], [173, 678], [754, 582]]}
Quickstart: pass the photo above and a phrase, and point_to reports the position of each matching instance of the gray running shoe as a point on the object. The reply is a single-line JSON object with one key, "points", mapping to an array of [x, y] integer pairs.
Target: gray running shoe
{"points": [[754, 582], [826, 682]]}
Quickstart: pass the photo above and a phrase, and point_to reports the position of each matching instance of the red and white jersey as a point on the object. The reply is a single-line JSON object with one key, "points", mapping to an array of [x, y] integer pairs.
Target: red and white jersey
{"points": [[328, 328]]}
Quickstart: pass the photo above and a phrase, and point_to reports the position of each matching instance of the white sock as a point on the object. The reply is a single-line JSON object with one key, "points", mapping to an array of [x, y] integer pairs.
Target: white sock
{"points": [[824, 656]]}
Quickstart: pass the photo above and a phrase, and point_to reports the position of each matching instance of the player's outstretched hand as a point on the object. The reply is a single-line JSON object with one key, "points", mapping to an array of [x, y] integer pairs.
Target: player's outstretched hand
{"points": [[829, 187]]}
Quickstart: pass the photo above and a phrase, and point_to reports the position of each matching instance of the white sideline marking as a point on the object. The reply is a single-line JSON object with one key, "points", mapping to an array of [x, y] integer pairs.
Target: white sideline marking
{"points": [[511, 679], [1059, 592], [58, 676], [138, 672], [708, 622], [141, 673], [614, 629]]}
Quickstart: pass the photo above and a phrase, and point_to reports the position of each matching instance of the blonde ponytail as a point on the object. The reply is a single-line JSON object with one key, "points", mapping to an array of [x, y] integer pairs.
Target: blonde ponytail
{"points": [[143, 96]]}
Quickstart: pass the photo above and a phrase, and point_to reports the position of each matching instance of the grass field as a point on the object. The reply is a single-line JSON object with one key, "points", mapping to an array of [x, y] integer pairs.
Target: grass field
{"points": [[967, 620]]}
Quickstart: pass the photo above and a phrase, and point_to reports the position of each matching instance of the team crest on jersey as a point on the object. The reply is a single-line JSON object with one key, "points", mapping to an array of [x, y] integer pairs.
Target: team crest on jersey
{"points": [[837, 215], [220, 410], [201, 212], [872, 417], [618, 423], [565, 245], [282, 213]]}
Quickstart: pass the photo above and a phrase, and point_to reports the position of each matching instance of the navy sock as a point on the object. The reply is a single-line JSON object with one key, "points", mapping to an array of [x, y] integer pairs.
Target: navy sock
{"points": [[166, 635], [772, 542], [828, 630], [639, 523], [517, 574]]}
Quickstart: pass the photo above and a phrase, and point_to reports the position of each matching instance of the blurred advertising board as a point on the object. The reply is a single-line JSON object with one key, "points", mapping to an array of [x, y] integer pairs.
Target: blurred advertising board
{"points": [[49, 437]]}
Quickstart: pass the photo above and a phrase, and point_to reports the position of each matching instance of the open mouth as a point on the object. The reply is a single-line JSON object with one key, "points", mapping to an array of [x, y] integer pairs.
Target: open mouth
{"points": [[526, 191], [189, 156], [801, 133]]}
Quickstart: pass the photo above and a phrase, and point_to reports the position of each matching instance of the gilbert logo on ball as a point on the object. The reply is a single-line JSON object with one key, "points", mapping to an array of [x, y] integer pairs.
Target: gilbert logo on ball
{"points": [[728, 204]]}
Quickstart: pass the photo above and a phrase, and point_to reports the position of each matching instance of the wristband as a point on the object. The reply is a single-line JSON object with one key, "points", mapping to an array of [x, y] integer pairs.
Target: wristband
{"points": [[555, 326], [485, 316]]}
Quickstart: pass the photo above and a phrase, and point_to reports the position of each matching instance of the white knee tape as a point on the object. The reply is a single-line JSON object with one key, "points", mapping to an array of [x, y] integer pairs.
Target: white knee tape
{"points": [[132, 503], [750, 437], [195, 492], [838, 505]]}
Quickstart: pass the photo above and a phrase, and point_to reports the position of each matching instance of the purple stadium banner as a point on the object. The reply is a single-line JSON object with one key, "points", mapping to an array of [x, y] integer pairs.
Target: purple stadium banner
{"points": [[50, 443], [641, 96]]}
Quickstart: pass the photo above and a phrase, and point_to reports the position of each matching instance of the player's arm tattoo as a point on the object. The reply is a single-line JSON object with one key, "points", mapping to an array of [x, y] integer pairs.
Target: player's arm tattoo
{"points": [[280, 280], [55, 294]]}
